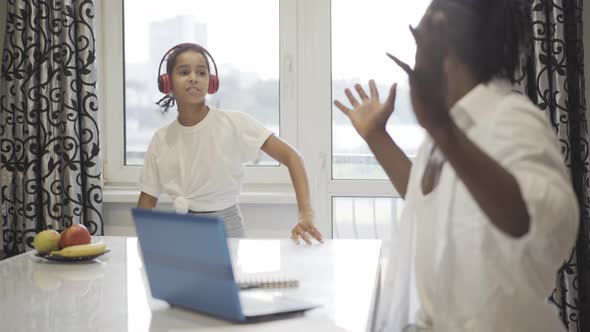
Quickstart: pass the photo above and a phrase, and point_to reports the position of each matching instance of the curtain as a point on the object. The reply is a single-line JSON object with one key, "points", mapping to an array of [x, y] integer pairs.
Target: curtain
{"points": [[554, 80], [50, 163]]}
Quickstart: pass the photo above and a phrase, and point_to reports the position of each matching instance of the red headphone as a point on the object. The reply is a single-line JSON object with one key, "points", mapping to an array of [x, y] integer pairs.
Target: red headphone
{"points": [[164, 81]]}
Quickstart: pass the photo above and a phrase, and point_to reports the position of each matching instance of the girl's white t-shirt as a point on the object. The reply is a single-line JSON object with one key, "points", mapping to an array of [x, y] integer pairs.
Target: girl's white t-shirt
{"points": [[201, 166]]}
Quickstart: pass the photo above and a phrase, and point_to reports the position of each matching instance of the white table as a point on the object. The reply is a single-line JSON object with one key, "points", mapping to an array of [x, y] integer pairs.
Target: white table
{"points": [[111, 293]]}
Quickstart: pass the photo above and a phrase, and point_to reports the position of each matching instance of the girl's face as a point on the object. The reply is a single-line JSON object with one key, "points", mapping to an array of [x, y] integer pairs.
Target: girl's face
{"points": [[190, 78]]}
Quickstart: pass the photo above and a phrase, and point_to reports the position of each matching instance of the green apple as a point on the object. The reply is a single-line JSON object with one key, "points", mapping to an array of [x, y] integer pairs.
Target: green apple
{"points": [[46, 241]]}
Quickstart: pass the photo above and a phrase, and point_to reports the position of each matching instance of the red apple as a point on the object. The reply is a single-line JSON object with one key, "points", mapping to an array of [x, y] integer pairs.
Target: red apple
{"points": [[74, 235]]}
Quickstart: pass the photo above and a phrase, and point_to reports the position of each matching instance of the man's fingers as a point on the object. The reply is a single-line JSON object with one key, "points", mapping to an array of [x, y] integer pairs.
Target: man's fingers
{"points": [[341, 107], [414, 33], [390, 102], [402, 64], [361, 92], [439, 22], [373, 89], [351, 98], [440, 42]]}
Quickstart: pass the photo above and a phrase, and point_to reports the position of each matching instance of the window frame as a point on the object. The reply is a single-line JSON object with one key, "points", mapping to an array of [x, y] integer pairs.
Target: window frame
{"points": [[305, 110], [314, 35], [111, 96]]}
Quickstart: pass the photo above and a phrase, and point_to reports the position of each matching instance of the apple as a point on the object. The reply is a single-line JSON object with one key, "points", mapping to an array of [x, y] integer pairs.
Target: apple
{"points": [[46, 241], [75, 235]]}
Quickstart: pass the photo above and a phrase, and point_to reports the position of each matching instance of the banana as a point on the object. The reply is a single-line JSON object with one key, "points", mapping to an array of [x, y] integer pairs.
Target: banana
{"points": [[82, 250]]}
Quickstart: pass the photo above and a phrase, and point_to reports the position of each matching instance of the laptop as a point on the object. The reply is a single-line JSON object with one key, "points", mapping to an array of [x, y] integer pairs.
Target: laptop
{"points": [[187, 263]]}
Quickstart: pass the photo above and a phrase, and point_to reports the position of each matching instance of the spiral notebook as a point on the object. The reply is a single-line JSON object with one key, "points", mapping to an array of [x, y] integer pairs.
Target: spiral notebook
{"points": [[266, 282]]}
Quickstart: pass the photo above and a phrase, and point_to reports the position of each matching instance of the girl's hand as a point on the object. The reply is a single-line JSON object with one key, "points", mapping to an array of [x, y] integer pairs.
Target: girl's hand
{"points": [[305, 228], [370, 116]]}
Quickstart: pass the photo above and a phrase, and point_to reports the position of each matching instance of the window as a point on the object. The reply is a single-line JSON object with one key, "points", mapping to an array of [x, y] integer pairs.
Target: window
{"points": [[365, 217], [358, 54], [247, 57], [254, 56], [283, 61]]}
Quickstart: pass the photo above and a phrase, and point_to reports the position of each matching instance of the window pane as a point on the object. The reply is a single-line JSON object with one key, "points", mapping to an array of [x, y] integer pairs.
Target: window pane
{"points": [[365, 217], [358, 54], [244, 41]]}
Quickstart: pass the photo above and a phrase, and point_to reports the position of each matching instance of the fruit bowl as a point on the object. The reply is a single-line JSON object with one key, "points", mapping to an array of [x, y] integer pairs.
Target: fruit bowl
{"points": [[59, 258]]}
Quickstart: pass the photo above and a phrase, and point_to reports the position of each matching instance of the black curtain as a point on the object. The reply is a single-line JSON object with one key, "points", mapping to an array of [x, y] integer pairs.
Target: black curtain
{"points": [[554, 80], [50, 163]]}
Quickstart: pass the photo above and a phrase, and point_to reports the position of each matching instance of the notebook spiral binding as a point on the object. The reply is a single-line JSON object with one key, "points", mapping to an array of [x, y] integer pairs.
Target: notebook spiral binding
{"points": [[268, 283]]}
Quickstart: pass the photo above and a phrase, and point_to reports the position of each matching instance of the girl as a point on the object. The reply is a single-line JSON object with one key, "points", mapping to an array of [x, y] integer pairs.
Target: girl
{"points": [[198, 159], [490, 197]]}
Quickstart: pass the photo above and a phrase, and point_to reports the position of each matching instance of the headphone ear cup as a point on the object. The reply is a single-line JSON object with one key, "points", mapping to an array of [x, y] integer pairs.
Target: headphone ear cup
{"points": [[164, 84], [213, 84]]}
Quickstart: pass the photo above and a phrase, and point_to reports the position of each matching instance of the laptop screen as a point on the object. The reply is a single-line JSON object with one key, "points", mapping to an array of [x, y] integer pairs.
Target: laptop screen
{"points": [[187, 262]]}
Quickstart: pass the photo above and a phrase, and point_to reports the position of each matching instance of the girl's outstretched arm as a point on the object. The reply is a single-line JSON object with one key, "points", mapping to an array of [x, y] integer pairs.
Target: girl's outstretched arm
{"points": [[288, 156]]}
